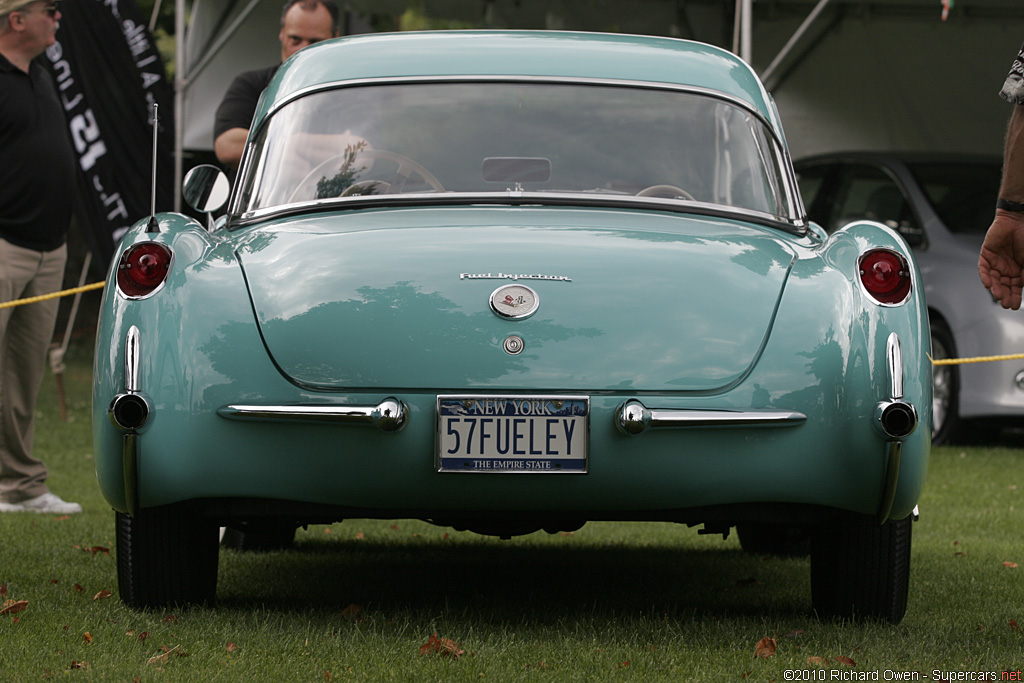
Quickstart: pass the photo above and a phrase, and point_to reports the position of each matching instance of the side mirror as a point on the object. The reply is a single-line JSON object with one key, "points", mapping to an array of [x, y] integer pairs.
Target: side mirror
{"points": [[206, 189]]}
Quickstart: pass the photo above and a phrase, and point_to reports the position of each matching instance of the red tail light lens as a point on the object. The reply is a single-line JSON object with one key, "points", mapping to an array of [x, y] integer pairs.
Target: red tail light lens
{"points": [[885, 275], [143, 267]]}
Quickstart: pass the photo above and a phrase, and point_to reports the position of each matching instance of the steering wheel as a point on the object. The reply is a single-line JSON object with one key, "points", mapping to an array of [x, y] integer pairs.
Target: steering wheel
{"points": [[666, 191], [406, 167]]}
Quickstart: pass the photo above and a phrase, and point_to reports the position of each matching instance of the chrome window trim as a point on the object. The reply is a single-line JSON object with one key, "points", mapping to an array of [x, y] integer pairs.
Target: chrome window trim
{"points": [[796, 218], [519, 199]]}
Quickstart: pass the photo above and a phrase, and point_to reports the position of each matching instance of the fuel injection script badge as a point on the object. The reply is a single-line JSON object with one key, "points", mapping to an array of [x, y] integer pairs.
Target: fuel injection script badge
{"points": [[514, 302], [513, 276]]}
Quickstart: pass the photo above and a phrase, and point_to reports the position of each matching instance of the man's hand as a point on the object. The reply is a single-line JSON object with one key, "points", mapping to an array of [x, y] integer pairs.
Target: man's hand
{"points": [[1001, 264]]}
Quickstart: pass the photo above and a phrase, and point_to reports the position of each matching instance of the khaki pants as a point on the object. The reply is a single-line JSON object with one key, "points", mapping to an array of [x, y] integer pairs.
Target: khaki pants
{"points": [[25, 335]]}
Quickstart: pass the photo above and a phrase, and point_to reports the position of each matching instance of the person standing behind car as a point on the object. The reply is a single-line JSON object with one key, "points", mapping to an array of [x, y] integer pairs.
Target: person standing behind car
{"points": [[1001, 263], [37, 177], [303, 22]]}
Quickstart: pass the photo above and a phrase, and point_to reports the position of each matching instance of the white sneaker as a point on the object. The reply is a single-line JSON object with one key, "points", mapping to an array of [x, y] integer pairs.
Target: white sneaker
{"points": [[48, 504]]}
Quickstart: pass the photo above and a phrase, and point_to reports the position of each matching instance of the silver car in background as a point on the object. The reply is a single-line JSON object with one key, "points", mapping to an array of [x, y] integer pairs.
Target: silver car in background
{"points": [[942, 205]]}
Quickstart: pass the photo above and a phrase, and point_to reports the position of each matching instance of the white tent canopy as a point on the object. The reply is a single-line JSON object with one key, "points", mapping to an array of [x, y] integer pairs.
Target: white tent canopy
{"points": [[850, 74]]}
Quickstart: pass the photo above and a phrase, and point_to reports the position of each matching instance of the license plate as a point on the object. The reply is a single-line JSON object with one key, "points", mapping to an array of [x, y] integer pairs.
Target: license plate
{"points": [[533, 434]]}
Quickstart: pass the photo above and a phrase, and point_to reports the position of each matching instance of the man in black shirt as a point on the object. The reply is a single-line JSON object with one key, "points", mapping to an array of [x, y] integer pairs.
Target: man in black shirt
{"points": [[37, 176], [303, 22]]}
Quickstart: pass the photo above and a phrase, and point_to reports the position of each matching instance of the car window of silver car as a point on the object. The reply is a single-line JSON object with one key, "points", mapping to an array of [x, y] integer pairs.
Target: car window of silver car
{"points": [[869, 193], [962, 193]]}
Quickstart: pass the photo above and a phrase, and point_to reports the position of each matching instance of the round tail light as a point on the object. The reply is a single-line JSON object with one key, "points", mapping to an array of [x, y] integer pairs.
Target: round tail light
{"points": [[143, 268], [885, 275]]}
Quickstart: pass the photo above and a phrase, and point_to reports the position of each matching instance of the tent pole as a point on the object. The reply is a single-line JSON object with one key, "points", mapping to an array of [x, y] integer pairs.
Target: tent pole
{"points": [[179, 97], [791, 43], [741, 33]]}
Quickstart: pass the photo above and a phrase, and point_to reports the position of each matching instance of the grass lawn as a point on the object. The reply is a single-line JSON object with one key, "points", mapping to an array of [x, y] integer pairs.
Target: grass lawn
{"points": [[359, 600]]}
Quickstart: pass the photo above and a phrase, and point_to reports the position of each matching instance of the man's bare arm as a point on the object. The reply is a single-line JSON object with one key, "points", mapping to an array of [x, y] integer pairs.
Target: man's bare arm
{"points": [[229, 145]]}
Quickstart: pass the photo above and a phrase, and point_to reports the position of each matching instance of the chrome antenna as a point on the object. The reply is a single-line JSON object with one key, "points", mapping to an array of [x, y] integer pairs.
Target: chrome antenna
{"points": [[153, 226]]}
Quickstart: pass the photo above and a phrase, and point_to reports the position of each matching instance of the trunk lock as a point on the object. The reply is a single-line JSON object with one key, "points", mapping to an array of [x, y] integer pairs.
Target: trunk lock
{"points": [[513, 345]]}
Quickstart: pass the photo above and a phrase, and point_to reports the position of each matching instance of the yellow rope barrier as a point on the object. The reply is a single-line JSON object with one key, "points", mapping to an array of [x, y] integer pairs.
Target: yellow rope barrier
{"points": [[976, 359], [55, 295], [100, 285]]}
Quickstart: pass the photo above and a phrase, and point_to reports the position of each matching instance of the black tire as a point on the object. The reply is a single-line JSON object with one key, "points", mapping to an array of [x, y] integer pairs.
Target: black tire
{"points": [[860, 569], [945, 387], [166, 556], [258, 539], [781, 540]]}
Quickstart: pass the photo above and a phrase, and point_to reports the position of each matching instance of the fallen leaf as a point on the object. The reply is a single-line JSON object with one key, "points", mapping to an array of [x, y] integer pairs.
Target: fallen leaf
{"points": [[161, 658], [78, 588], [102, 595], [442, 646], [231, 647], [352, 611], [62, 518], [13, 606], [170, 617], [394, 527], [79, 665], [1011, 565], [3, 589], [360, 536], [327, 530], [845, 661], [1014, 625], [765, 648], [960, 553], [624, 664], [97, 549], [143, 636], [87, 637], [816, 661]]}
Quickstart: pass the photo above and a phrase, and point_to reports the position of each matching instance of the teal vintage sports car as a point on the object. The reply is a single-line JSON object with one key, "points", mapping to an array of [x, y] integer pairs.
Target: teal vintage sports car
{"points": [[505, 282]]}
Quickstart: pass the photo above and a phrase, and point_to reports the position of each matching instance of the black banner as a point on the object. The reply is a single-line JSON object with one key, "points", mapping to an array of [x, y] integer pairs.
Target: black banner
{"points": [[108, 73]]}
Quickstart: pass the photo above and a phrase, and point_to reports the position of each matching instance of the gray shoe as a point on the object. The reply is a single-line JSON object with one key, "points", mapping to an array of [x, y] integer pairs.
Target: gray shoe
{"points": [[47, 504]]}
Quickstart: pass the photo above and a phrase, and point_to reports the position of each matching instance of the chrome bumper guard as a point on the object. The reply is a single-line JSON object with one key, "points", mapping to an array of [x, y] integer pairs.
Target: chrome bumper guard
{"points": [[633, 418], [390, 415]]}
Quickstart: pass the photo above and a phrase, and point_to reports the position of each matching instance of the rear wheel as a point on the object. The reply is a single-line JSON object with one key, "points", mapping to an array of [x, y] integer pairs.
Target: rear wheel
{"points": [[166, 556], [860, 569], [945, 386]]}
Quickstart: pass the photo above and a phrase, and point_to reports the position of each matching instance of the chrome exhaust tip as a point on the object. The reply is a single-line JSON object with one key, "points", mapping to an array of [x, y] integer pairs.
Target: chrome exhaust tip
{"points": [[129, 412], [896, 419]]}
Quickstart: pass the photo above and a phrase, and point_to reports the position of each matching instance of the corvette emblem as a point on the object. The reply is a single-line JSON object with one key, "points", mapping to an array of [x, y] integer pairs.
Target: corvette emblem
{"points": [[514, 302]]}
